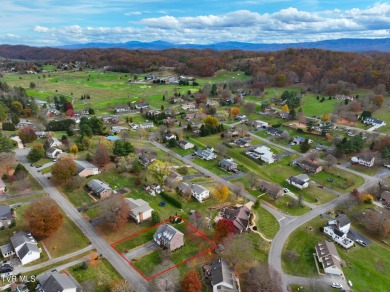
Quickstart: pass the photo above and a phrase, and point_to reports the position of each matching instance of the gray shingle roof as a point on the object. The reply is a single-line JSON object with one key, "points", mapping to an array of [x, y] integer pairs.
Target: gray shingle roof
{"points": [[97, 186], [222, 272], [166, 232], [138, 206], [26, 248], [5, 213], [58, 283], [20, 238], [81, 165]]}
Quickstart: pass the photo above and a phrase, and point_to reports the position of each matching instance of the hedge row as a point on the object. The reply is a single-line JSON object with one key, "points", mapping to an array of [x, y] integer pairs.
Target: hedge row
{"points": [[173, 201]]}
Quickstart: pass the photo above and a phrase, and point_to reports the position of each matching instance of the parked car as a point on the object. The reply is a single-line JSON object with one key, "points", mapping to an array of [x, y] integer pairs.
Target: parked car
{"points": [[350, 283], [286, 190], [361, 242], [336, 285]]}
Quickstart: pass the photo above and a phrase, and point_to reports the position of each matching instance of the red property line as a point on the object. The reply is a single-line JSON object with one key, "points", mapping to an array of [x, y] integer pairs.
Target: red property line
{"points": [[173, 267]]}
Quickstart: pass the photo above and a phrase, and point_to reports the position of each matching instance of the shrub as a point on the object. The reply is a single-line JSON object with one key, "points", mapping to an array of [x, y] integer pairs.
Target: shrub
{"points": [[366, 199], [255, 228], [5, 176], [173, 201]]}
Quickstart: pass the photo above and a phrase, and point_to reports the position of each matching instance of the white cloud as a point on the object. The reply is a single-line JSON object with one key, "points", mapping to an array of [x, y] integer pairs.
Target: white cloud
{"points": [[133, 13]]}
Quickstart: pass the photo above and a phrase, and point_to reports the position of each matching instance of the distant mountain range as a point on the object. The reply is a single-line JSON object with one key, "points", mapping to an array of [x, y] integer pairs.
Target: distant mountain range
{"points": [[345, 45]]}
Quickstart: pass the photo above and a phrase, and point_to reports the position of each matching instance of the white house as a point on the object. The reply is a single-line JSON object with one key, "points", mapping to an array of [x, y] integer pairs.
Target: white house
{"points": [[185, 145], [53, 152], [260, 124], [299, 181], [146, 125], [198, 192], [3, 187], [188, 106], [24, 246], [54, 142], [206, 154], [266, 155], [338, 229], [365, 160], [139, 210], [328, 256], [374, 122], [170, 136]]}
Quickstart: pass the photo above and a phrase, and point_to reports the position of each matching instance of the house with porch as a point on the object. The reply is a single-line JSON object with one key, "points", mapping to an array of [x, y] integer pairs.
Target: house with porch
{"points": [[53, 152], [239, 216], [300, 181], [199, 192], [206, 154], [338, 229], [309, 166], [229, 165], [366, 159], [24, 246]]}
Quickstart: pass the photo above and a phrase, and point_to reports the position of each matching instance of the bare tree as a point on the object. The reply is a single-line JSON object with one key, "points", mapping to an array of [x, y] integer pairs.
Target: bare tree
{"points": [[7, 160], [262, 277], [115, 211], [313, 155], [252, 179], [221, 149], [168, 282], [238, 188], [330, 160], [239, 252], [196, 218]]}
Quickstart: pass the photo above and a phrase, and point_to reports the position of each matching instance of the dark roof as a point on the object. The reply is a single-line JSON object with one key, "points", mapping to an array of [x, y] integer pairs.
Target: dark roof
{"points": [[51, 150], [372, 120], [270, 188], [57, 283], [27, 248], [222, 272], [296, 180], [81, 165], [227, 163], [343, 220], [273, 131], [239, 216], [97, 186], [5, 213], [306, 164], [338, 232]]}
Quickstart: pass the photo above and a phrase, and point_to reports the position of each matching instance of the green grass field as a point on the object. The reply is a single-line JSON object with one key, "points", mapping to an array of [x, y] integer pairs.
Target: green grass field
{"points": [[313, 107], [266, 223]]}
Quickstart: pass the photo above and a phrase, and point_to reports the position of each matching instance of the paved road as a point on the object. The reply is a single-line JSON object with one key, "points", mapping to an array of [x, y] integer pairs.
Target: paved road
{"points": [[94, 237], [21, 269]]}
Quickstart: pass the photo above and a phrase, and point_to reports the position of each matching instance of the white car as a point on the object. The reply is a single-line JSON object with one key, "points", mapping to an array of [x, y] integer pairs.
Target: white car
{"points": [[286, 190], [337, 285], [361, 242]]}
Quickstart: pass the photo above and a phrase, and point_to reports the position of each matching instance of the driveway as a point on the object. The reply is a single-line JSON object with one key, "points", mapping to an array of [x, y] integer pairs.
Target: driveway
{"points": [[354, 235], [141, 250]]}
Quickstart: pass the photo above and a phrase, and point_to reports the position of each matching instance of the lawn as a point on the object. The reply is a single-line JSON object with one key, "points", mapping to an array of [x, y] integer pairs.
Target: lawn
{"points": [[148, 263], [313, 107], [17, 188], [67, 239], [266, 223], [138, 239], [343, 181], [363, 263], [100, 273], [22, 199], [287, 205], [366, 170]]}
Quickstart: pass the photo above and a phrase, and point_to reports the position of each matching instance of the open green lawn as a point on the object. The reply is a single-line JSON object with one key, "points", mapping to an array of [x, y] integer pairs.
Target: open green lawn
{"points": [[313, 107], [383, 114], [366, 170], [266, 223], [22, 199], [138, 239], [363, 263], [343, 181], [287, 205], [148, 263], [100, 273]]}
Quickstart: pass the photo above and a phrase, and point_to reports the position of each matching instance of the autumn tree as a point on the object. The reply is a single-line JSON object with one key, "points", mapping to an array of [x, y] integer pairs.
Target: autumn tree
{"points": [[223, 228], [285, 108], [377, 99], [43, 217], [239, 252], [7, 160], [252, 179], [234, 111], [191, 282], [115, 211], [196, 217], [221, 192], [74, 149], [210, 121], [158, 171], [64, 169], [27, 135], [102, 156]]}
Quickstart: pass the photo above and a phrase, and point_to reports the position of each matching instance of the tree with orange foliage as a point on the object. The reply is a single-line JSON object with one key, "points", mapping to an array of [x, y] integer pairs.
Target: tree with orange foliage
{"points": [[221, 192], [64, 169], [285, 108], [234, 111], [44, 217], [191, 282], [366, 198]]}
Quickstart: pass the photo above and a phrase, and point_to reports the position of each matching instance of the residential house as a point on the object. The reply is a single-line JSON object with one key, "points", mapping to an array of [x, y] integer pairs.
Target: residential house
{"points": [[5, 216], [265, 154], [3, 187], [24, 246], [170, 136], [85, 168], [309, 166], [177, 99], [25, 124], [232, 132], [53, 112], [146, 125], [221, 276], [185, 145], [153, 112], [366, 159], [338, 229], [146, 159], [175, 176], [142, 105], [139, 210], [373, 122], [260, 124], [99, 189], [190, 117], [239, 216], [300, 140], [188, 106], [122, 109], [54, 142], [343, 97], [168, 237], [385, 198], [241, 118], [199, 192], [53, 152], [110, 119], [206, 154], [118, 129], [328, 149], [41, 134], [55, 282], [274, 131], [272, 189], [169, 121], [299, 181], [133, 126], [228, 165], [243, 142], [328, 256]]}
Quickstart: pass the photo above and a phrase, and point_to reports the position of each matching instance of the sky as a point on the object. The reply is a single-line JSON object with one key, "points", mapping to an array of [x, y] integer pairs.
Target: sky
{"points": [[64, 22]]}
